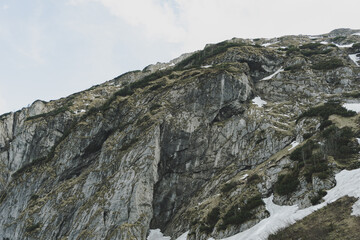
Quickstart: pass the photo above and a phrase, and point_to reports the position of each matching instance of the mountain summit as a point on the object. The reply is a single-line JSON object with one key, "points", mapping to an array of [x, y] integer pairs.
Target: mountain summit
{"points": [[239, 140]]}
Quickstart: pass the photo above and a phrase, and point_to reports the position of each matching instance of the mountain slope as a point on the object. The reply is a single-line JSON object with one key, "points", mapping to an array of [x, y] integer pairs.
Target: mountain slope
{"points": [[187, 145]]}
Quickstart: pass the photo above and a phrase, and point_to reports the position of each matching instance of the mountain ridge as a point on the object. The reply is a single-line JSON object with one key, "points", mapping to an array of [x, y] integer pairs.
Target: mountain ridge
{"points": [[168, 147]]}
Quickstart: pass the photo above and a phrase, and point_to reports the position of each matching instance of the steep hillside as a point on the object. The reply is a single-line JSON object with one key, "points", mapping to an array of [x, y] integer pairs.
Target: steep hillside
{"points": [[193, 145]]}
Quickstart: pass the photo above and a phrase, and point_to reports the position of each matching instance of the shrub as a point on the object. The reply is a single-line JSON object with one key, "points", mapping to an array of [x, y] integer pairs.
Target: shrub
{"points": [[307, 135], [157, 86], [292, 49], [324, 111], [303, 153], [32, 228], [253, 178], [355, 94], [155, 107], [3, 195], [293, 68], [311, 46], [213, 217], [313, 49], [355, 47], [228, 186], [338, 39], [198, 58], [287, 183], [309, 52], [210, 221], [125, 91], [328, 64], [316, 199], [339, 142], [238, 215], [34, 197], [325, 124]]}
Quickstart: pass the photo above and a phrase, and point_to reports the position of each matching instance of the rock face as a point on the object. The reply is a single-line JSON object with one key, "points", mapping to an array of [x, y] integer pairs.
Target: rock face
{"points": [[178, 146]]}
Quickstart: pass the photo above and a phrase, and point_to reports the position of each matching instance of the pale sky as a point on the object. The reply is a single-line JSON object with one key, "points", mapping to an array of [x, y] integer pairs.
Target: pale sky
{"points": [[53, 48]]}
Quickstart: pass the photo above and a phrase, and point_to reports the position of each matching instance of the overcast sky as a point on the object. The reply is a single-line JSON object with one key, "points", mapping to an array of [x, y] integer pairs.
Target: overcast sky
{"points": [[52, 48]]}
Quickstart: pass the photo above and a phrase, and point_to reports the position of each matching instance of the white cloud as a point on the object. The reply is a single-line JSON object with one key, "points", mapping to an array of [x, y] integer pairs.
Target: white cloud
{"points": [[157, 18], [194, 23]]}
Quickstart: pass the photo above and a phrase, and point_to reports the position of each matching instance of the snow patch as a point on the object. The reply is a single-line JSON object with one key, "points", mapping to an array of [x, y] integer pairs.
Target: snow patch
{"points": [[355, 58], [314, 37], [268, 44], [259, 102], [352, 106], [356, 209], [325, 43], [155, 234], [293, 145], [344, 46], [206, 66], [356, 34], [272, 75], [183, 236], [245, 176], [80, 111]]}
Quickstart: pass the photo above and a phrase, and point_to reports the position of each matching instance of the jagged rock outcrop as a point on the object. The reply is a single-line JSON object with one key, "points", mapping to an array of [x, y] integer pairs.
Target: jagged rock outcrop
{"points": [[178, 146]]}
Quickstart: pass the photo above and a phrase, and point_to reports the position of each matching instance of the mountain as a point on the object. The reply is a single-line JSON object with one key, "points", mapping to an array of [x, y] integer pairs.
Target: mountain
{"points": [[211, 144]]}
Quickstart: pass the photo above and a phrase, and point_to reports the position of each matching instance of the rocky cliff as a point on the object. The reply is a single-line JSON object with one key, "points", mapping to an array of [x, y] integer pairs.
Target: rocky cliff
{"points": [[191, 145]]}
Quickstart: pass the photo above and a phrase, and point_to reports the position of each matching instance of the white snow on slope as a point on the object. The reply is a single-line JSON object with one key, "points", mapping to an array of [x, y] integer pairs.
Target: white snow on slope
{"points": [[272, 75], [259, 102], [352, 106], [293, 145], [354, 58], [314, 37], [244, 176], [323, 42], [344, 46], [206, 66], [283, 216], [358, 34], [183, 236], [155, 234], [268, 44]]}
